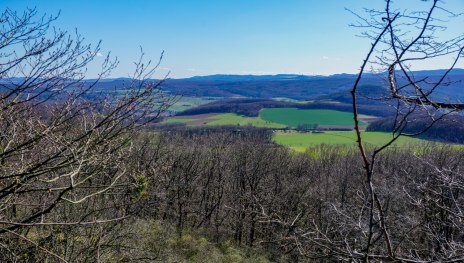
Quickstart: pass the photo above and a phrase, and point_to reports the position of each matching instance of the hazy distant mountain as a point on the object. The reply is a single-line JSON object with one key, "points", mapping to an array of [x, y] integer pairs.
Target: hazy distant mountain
{"points": [[223, 77], [297, 86], [300, 87]]}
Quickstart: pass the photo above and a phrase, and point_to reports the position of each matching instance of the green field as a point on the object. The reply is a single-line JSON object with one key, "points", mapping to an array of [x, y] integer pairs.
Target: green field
{"points": [[273, 118], [223, 119], [301, 141], [234, 119], [293, 117]]}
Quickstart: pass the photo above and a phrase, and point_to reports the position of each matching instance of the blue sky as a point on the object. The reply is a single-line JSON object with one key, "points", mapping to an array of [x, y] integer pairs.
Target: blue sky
{"points": [[204, 37]]}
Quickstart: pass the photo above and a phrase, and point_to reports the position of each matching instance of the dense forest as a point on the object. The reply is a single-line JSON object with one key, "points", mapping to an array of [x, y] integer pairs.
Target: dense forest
{"points": [[236, 193]]}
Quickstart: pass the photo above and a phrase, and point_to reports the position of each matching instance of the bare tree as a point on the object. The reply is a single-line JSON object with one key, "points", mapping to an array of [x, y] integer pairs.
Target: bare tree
{"points": [[402, 40], [404, 209], [63, 141]]}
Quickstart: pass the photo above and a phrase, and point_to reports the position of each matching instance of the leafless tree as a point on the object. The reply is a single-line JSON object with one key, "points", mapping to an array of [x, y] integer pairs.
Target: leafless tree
{"points": [[405, 209], [62, 141], [400, 41]]}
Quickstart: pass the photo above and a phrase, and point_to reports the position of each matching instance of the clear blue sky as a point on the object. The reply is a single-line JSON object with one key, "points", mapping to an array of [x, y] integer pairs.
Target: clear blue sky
{"points": [[204, 37]]}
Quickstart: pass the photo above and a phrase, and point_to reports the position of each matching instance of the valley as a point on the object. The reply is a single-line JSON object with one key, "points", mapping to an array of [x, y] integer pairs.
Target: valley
{"points": [[231, 131], [322, 117]]}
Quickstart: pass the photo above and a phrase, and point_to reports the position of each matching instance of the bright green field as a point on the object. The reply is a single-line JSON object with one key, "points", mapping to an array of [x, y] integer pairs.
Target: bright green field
{"points": [[234, 119], [301, 141], [223, 119], [272, 118], [293, 117]]}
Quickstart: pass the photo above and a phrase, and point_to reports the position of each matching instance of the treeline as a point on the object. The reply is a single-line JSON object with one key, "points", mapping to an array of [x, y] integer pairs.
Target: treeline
{"points": [[449, 129], [247, 107], [230, 134], [251, 107]]}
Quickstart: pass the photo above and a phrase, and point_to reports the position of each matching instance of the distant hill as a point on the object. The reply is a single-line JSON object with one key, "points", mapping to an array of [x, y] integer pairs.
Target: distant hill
{"points": [[227, 77], [326, 92], [224, 77], [301, 87], [298, 87]]}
